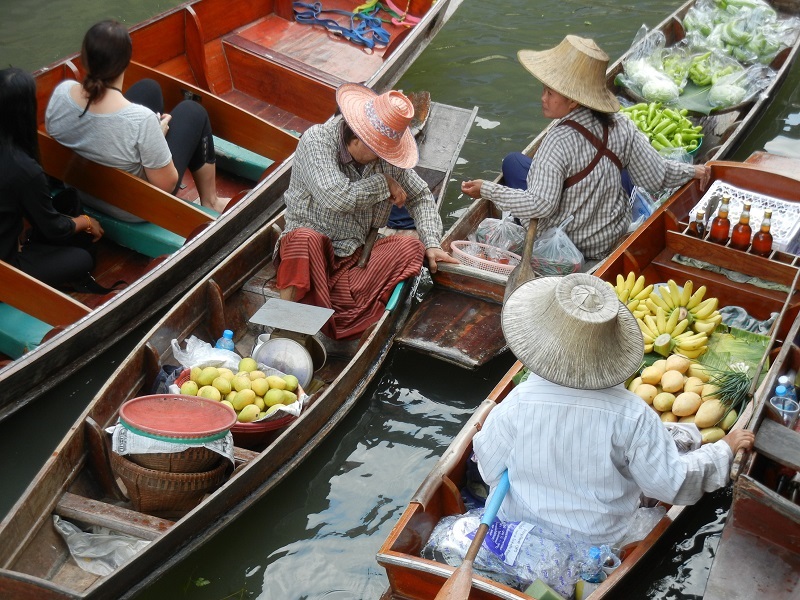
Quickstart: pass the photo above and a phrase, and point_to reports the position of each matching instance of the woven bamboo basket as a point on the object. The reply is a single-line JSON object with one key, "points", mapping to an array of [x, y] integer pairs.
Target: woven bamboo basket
{"points": [[192, 460], [152, 491]]}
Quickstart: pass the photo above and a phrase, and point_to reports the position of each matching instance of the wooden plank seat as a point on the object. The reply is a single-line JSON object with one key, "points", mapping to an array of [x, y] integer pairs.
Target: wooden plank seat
{"points": [[117, 518], [779, 443]]}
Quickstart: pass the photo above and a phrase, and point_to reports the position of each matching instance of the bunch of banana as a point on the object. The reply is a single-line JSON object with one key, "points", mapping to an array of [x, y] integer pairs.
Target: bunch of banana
{"points": [[667, 335], [702, 314], [633, 293]]}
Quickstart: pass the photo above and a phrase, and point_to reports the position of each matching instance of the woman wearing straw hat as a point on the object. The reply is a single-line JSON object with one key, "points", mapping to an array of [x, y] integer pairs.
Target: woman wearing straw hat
{"points": [[577, 169], [347, 175], [581, 449]]}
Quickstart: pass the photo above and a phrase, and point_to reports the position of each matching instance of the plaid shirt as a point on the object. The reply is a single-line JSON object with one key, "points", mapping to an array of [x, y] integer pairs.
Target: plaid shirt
{"points": [[328, 194], [601, 209]]}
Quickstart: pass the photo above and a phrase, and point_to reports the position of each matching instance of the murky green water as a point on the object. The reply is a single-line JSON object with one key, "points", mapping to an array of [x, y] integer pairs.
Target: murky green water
{"points": [[316, 535]]}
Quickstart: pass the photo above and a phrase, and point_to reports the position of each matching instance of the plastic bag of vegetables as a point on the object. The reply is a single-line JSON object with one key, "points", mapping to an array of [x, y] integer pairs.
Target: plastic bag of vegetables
{"points": [[739, 87], [501, 233], [643, 72]]}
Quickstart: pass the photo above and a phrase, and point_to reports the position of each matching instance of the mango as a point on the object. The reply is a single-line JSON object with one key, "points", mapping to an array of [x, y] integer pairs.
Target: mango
{"points": [[248, 364], [711, 434], [273, 397], [646, 392], [686, 404], [678, 363], [207, 376], [223, 385], [194, 374], [244, 398], [693, 384], [210, 392], [710, 413], [276, 382], [260, 386], [651, 375], [672, 381], [663, 401], [248, 414], [289, 397], [242, 382], [699, 371], [257, 375], [728, 420], [291, 382], [668, 417], [189, 388]]}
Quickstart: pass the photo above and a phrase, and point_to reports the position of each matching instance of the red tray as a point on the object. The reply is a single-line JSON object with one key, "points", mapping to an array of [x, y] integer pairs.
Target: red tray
{"points": [[177, 416]]}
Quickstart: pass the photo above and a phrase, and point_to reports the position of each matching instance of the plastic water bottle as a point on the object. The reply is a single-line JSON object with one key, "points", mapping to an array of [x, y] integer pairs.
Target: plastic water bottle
{"points": [[226, 341], [592, 574], [787, 382]]}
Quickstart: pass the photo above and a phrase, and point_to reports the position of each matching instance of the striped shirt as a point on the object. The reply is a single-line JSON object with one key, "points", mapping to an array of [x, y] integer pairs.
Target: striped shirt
{"points": [[578, 460], [598, 202], [327, 193]]}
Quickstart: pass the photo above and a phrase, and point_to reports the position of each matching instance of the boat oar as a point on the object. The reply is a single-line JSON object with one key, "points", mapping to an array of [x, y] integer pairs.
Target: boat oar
{"points": [[460, 582], [367, 249], [523, 272]]}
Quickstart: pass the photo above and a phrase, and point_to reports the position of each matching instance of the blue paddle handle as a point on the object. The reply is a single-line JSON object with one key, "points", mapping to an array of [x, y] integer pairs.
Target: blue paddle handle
{"points": [[497, 499]]}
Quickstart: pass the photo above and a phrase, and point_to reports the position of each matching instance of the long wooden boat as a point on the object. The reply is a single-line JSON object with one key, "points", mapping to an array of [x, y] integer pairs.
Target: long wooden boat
{"points": [[649, 252], [264, 79], [459, 319], [77, 483], [760, 544]]}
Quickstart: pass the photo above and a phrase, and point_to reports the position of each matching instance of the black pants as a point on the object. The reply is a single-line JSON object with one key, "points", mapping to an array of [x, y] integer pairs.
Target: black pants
{"points": [[189, 136], [58, 263]]}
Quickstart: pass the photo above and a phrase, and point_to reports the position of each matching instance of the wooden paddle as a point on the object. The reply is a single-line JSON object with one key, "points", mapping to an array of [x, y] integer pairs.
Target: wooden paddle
{"points": [[367, 250], [460, 582], [523, 272]]}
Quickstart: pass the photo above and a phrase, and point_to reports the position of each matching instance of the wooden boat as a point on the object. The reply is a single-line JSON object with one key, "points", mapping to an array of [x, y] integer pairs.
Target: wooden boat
{"points": [[649, 252], [263, 79], [459, 319], [759, 547], [77, 482]]}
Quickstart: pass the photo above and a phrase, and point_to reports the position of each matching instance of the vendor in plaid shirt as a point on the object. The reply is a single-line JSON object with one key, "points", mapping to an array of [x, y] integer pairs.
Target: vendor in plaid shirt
{"points": [[347, 175], [577, 169]]}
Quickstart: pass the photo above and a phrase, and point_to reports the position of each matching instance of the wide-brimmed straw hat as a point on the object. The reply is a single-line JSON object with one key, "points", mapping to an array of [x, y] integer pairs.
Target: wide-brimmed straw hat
{"points": [[573, 331], [576, 68], [381, 122]]}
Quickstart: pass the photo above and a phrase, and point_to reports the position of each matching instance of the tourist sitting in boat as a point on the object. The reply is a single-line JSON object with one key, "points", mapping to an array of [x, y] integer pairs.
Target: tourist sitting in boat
{"points": [[577, 170], [57, 248], [130, 131], [347, 175], [580, 449]]}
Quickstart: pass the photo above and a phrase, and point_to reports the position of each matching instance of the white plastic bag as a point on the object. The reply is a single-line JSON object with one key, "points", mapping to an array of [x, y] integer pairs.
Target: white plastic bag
{"points": [[99, 551], [501, 233], [199, 352], [686, 435], [554, 253]]}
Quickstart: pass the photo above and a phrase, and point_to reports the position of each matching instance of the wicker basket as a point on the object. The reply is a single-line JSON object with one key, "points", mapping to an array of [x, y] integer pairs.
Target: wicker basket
{"points": [[160, 492], [474, 254], [192, 460]]}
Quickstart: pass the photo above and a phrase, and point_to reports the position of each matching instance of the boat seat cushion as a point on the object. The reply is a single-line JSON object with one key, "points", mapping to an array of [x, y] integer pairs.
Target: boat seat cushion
{"points": [[19, 332], [145, 238], [239, 161]]}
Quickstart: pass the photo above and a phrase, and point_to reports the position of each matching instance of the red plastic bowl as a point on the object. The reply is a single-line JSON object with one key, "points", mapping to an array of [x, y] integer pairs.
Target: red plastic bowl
{"points": [[177, 416]]}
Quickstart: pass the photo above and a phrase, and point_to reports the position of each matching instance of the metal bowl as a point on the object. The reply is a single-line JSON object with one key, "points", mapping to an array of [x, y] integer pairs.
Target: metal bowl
{"points": [[287, 356]]}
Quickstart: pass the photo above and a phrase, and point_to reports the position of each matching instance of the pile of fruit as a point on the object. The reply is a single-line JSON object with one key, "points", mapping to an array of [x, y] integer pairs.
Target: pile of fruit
{"points": [[672, 320], [664, 127], [680, 391], [250, 392]]}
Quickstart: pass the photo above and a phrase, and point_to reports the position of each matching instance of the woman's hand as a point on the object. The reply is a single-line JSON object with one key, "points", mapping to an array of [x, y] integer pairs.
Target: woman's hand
{"points": [[740, 439], [397, 195], [472, 188], [164, 122], [90, 225], [703, 173], [437, 255]]}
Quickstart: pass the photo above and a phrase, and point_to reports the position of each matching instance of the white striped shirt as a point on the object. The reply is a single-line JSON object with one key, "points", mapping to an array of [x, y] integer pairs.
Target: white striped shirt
{"points": [[598, 202], [578, 460]]}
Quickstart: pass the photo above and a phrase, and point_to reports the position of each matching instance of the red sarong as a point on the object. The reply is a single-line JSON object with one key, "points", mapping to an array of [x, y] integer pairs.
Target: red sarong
{"points": [[358, 296]]}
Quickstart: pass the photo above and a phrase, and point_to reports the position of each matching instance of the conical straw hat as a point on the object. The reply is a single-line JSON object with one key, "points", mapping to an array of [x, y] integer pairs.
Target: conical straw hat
{"points": [[381, 122], [576, 68], [573, 331]]}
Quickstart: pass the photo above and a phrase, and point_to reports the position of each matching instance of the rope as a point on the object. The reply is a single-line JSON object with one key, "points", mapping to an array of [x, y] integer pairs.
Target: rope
{"points": [[368, 33]]}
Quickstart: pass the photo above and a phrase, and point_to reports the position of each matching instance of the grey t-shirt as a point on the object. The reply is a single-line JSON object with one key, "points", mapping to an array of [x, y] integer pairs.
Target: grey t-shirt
{"points": [[129, 139]]}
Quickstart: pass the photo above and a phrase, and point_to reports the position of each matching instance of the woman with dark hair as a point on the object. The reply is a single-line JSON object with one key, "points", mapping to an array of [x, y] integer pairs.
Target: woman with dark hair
{"points": [[56, 248], [131, 131]]}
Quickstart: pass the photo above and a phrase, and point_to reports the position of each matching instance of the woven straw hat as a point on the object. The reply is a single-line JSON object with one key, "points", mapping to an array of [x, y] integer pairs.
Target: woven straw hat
{"points": [[576, 68], [573, 331], [381, 122]]}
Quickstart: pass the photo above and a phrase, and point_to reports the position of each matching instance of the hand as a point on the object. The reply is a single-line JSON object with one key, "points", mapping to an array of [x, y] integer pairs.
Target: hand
{"points": [[397, 195], [472, 188], [740, 439], [164, 122], [435, 255], [703, 173], [97, 229]]}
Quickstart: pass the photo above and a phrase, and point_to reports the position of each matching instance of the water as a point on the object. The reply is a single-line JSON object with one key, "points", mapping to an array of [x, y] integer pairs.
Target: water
{"points": [[316, 535]]}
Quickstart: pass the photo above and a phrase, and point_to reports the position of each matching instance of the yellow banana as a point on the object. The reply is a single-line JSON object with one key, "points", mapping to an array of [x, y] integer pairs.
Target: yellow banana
{"points": [[661, 321], [646, 330], [693, 353], [648, 348], [645, 293], [620, 283], [680, 327], [696, 298], [686, 293], [692, 344], [624, 296], [705, 309], [666, 297], [674, 292], [650, 321], [658, 300], [630, 280], [672, 321], [638, 286], [704, 326]]}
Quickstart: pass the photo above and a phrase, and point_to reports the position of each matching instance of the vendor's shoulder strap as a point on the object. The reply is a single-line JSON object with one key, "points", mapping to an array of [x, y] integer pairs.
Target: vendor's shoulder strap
{"points": [[602, 150]]}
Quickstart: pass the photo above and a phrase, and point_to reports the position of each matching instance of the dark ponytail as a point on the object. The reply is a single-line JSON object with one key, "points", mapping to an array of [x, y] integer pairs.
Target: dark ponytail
{"points": [[106, 53]]}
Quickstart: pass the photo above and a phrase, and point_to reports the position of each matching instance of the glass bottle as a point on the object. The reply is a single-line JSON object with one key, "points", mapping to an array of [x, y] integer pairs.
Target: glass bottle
{"points": [[721, 225], [762, 240], [697, 228], [740, 237]]}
